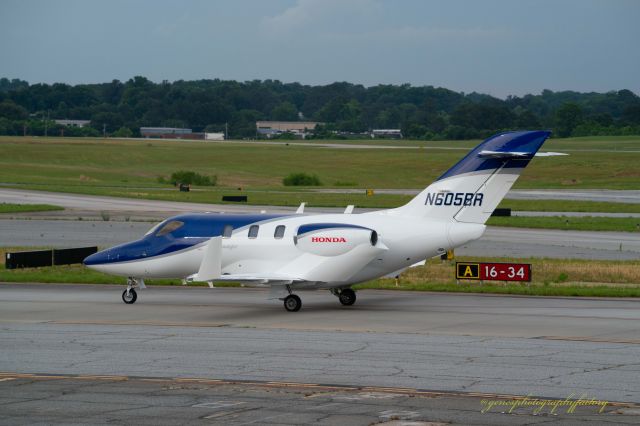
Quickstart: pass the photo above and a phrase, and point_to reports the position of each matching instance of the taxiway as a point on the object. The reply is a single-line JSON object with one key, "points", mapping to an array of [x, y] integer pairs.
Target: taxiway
{"points": [[180, 347]]}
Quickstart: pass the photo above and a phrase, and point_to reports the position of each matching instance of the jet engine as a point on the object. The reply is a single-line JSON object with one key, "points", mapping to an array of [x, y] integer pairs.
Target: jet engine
{"points": [[333, 239]]}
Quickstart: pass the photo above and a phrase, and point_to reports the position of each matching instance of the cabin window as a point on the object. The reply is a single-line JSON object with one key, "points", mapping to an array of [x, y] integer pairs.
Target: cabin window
{"points": [[226, 232], [169, 227], [253, 231], [279, 232]]}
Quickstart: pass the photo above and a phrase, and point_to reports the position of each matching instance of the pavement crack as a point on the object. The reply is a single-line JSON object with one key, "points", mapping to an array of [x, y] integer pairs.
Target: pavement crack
{"points": [[399, 371]]}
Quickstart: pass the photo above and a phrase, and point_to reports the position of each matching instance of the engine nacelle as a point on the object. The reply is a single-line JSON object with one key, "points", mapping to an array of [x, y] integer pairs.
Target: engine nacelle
{"points": [[333, 239]]}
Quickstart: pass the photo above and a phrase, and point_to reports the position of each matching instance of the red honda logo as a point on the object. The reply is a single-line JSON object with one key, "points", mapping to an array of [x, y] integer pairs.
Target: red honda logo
{"points": [[328, 240]]}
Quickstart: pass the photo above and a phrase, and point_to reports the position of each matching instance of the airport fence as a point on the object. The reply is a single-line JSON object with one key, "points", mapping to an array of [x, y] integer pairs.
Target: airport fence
{"points": [[40, 258]]}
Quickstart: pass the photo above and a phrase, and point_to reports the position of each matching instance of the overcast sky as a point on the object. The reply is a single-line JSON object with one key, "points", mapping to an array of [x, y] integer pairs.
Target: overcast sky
{"points": [[499, 47]]}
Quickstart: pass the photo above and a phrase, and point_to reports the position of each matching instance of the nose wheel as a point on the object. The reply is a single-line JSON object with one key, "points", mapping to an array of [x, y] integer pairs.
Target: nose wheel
{"points": [[129, 296]]}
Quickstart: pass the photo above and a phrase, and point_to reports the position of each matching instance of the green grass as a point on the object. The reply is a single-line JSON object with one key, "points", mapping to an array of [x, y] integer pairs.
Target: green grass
{"points": [[130, 168], [625, 224], [550, 277], [587, 143], [21, 208], [95, 164]]}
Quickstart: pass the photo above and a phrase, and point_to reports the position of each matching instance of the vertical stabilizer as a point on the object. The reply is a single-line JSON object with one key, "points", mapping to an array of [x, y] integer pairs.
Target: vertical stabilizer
{"points": [[472, 189]]}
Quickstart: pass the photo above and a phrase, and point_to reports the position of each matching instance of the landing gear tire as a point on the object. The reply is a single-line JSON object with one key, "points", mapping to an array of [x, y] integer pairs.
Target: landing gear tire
{"points": [[292, 303], [347, 297], [129, 298]]}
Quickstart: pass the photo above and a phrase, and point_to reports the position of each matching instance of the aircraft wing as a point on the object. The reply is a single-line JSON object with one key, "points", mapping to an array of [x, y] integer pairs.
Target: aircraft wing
{"points": [[307, 266], [260, 278], [312, 267]]}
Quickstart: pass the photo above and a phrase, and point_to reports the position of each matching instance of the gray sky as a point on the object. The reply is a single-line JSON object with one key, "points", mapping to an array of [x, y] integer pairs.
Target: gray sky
{"points": [[499, 47]]}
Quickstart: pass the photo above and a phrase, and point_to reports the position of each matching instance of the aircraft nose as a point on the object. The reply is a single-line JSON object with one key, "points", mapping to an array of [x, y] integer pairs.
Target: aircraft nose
{"points": [[96, 258]]}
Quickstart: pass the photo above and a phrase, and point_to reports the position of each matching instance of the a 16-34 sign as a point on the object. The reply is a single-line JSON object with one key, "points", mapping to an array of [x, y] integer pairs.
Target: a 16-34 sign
{"points": [[493, 271]]}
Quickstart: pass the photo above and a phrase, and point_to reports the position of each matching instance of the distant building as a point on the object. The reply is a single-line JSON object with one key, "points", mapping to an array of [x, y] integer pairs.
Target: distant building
{"points": [[271, 129], [214, 136], [386, 133], [73, 123], [169, 133]]}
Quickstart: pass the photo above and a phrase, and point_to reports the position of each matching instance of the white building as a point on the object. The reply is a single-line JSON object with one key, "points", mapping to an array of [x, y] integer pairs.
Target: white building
{"points": [[386, 133], [272, 129], [214, 136], [73, 123], [165, 132]]}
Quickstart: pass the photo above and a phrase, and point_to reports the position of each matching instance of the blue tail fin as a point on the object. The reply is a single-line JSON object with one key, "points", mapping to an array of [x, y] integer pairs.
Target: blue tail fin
{"points": [[471, 189]]}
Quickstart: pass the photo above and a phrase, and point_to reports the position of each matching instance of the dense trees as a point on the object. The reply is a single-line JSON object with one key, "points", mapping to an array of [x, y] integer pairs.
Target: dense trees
{"points": [[421, 112]]}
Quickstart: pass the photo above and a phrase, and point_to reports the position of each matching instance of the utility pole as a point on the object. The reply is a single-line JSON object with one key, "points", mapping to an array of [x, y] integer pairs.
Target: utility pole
{"points": [[46, 125], [226, 131], [104, 130]]}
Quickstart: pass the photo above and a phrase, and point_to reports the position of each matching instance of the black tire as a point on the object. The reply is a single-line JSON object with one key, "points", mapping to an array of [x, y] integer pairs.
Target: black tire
{"points": [[292, 303], [347, 297], [133, 296]]}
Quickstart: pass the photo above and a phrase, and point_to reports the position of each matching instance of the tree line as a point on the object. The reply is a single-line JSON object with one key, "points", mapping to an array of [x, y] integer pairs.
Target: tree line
{"points": [[425, 112]]}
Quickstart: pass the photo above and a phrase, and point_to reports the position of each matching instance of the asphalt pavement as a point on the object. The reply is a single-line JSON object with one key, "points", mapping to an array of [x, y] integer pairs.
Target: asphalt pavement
{"points": [[229, 356]]}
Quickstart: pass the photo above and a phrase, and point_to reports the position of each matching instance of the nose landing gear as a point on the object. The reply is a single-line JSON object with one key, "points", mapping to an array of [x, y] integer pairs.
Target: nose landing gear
{"points": [[130, 296]]}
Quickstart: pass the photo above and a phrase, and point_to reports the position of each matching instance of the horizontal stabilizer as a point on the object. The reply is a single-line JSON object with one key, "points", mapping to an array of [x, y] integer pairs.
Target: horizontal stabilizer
{"points": [[549, 154], [502, 154]]}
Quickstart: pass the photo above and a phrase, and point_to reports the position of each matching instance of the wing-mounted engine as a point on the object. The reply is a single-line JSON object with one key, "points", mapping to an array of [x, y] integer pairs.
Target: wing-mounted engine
{"points": [[333, 239], [332, 252]]}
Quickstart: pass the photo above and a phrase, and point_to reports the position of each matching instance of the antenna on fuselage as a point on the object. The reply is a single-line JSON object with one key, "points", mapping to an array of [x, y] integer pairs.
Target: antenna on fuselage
{"points": [[301, 208], [349, 209]]}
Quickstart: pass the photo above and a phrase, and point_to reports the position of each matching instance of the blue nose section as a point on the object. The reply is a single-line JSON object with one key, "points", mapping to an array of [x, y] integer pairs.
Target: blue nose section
{"points": [[124, 253], [98, 258]]}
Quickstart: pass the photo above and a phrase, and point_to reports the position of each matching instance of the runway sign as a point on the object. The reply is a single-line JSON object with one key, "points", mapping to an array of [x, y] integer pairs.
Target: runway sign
{"points": [[467, 271], [493, 271]]}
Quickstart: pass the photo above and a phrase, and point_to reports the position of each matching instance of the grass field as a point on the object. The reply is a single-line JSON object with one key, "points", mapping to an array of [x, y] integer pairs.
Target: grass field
{"points": [[588, 143], [98, 165], [130, 168], [21, 208], [550, 277]]}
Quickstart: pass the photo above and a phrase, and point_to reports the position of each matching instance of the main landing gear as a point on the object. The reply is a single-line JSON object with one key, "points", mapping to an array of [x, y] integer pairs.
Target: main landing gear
{"points": [[292, 302], [346, 296], [130, 296]]}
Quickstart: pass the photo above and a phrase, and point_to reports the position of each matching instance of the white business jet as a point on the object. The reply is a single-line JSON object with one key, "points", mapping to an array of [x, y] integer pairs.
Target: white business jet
{"points": [[291, 252]]}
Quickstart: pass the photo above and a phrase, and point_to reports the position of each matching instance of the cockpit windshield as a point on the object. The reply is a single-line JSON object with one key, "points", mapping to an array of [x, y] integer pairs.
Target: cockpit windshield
{"points": [[169, 227], [153, 229]]}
